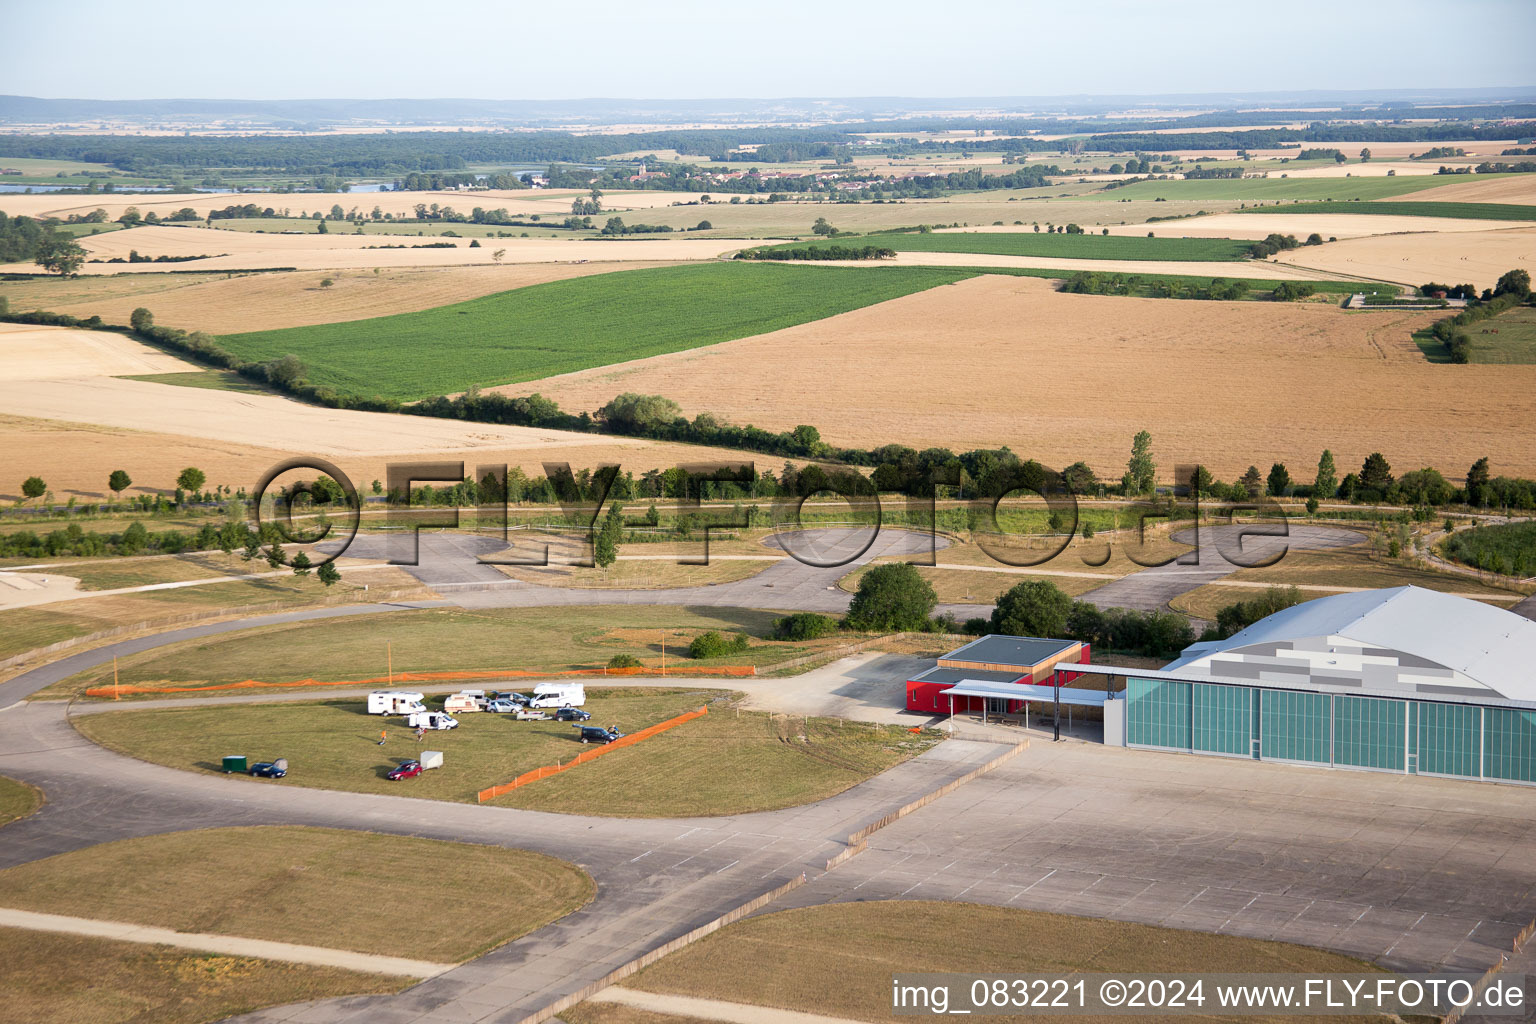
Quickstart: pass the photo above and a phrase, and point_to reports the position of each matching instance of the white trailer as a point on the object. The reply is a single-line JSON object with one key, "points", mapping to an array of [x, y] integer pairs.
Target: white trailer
{"points": [[558, 695], [431, 759], [431, 720], [461, 703], [394, 702]]}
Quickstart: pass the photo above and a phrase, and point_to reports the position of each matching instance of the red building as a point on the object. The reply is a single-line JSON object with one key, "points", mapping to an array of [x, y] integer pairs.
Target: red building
{"points": [[1003, 660]]}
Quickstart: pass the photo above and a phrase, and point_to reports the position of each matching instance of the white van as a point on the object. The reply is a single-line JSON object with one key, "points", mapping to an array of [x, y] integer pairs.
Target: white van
{"points": [[431, 720], [394, 702], [558, 695]]}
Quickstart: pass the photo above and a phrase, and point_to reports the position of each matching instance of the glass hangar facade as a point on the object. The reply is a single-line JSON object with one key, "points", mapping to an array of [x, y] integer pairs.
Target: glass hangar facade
{"points": [[1396, 734]]}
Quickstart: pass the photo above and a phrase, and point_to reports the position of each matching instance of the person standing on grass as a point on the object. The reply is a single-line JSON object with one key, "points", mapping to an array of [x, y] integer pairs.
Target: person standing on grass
{"points": [[420, 732], [383, 735]]}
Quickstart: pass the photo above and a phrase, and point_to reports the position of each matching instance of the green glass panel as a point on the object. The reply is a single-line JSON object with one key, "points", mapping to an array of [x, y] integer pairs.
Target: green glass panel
{"points": [[1221, 720], [1447, 737], [1369, 732], [1157, 713], [1509, 744], [1295, 726]]}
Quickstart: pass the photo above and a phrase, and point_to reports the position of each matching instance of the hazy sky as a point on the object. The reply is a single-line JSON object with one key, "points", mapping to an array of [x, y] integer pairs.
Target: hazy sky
{"points": [[286, 49]]}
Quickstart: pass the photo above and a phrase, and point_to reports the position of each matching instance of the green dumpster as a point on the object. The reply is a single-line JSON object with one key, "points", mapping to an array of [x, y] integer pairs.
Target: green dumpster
{"points": [[235, 762]]}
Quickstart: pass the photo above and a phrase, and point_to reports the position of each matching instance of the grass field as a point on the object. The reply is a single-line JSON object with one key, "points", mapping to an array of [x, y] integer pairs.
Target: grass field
{"points": [[30, 628], [572, 325], [1029, 243], [1403, 208], [1272, 187], [17, 800], [440, 639], [311, 886], [154, 983], [1507, 338], [838, 959], [725, 763]]}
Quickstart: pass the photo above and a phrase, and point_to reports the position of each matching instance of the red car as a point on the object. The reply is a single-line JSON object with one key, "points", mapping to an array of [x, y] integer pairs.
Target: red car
{"points": [[404, 770]]}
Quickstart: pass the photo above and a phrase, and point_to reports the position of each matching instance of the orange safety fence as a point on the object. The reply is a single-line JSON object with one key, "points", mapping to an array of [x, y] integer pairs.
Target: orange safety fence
{"points": [[588, 755], [733, 671]]}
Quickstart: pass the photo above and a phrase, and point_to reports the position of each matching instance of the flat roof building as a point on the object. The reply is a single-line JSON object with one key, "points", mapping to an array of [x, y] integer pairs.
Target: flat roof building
{"points": [[998, 671]]}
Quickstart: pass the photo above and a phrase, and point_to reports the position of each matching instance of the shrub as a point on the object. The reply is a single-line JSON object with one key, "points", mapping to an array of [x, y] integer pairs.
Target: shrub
{"points": [[623, 661], [715, 644], [804, 626], [891, 598]]}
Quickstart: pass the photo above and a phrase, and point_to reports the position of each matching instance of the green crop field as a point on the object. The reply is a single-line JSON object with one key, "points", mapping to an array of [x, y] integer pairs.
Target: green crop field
{"points": [[1468, 211], [1272, 187], [572, 325], [1259, 288], [1030, 243]]}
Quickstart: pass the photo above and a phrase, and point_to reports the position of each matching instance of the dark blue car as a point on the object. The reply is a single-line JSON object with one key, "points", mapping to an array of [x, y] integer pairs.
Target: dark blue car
{"points": [[572, 715], [270, 769], [597, 734]]}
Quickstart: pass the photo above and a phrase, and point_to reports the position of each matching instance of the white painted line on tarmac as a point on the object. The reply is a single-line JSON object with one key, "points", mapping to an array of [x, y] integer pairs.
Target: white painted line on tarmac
{"points": [[231, 945]]}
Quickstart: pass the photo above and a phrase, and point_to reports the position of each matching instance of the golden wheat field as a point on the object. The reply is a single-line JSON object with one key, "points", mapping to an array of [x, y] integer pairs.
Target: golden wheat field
{"points": [[545, 202], [244, 250], [1477, 258], [69, 420], [260, 302], [1065, 377], [1519, 189], [76, 458]]}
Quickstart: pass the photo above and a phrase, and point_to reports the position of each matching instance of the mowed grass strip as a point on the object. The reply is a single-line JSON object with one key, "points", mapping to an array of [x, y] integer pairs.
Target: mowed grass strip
{"points": [[723, 763], [1029, 243], [438, 640], [1404, 208], [728, 762], [17, 800], [838, 959], [565, 326], [324, 887], [70, 979]]}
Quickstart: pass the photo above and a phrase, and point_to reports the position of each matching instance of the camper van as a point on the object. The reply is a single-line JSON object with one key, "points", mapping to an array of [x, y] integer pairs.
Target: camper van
{"points": [[465, 701], [431, 720], [558, 695], [394, 702]]}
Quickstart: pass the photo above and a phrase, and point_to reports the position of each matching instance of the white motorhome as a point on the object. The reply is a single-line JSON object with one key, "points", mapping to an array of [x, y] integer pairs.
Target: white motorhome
{"points": [[431, 720], [558, 695], [394, 702]]}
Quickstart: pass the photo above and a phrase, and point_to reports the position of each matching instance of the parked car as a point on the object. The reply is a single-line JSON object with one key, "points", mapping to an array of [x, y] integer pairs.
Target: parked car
{"points": [[270, 769], [529, 715], [502, 706], [405, 770], [597, 734], [573, 715]]}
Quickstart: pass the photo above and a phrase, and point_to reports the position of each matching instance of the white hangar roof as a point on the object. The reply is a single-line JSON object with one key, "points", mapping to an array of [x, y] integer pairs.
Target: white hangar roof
{"points": [[1404, 640]]}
